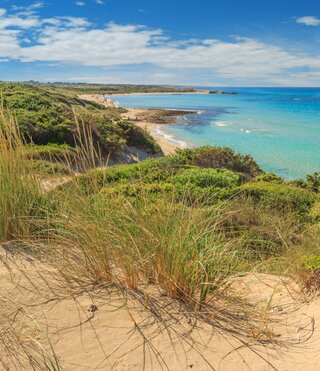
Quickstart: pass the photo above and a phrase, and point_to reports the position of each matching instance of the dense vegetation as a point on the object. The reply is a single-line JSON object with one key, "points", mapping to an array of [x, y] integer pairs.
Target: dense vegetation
{"points": [[271, 217], [48, 116]]}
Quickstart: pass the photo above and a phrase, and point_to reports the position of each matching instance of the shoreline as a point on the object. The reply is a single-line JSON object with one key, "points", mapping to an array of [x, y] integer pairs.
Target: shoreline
{"points": [[205, 92], [150, 120], [153, 121]]}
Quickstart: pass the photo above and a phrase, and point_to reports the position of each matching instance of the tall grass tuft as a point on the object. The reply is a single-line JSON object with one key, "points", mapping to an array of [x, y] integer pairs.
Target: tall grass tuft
{"points": [[20, 191], [178, 248]]}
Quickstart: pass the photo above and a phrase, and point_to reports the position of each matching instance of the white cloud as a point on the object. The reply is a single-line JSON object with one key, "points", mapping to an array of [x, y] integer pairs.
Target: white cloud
{"points": [[74, 22], [73, 40], [2, 12], [117, 45], [19, 22], [37, 5], [29, 9], [64, 22], [309, 21], [80, 3], [100, 2], [10, 48]]}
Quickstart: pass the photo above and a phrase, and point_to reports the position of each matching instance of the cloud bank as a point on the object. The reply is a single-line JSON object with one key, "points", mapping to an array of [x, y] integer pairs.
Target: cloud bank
{"points": [[26, 37]]}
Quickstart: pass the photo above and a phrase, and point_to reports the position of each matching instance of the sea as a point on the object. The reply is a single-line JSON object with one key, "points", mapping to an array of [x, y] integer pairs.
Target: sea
{"points": [[278, 127]]}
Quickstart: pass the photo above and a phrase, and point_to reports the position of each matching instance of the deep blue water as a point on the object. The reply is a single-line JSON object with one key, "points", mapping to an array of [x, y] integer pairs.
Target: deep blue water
{"points": [[279, 127]]}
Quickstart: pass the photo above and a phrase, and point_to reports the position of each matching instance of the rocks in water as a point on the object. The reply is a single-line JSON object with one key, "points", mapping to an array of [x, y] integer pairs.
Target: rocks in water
{"points": [[222, 92]]}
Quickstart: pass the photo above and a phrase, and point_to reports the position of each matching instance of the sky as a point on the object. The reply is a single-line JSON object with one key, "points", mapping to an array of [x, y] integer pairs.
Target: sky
{"points": [[190, 43]]}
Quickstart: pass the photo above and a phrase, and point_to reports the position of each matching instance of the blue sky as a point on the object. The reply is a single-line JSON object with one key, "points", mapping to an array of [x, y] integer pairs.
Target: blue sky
{"points": [[201, 43]]}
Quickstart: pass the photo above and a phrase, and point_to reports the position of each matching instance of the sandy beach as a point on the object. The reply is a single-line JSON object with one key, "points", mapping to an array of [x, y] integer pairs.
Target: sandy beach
{"points": [[154, 121], [151, 120]]}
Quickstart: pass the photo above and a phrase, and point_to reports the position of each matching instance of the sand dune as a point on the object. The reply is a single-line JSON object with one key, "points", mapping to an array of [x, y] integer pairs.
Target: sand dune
{"points": [[98, 327]]}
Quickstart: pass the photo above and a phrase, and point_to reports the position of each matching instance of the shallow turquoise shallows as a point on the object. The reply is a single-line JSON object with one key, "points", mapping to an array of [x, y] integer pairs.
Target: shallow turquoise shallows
{"points": [[279, 127]]}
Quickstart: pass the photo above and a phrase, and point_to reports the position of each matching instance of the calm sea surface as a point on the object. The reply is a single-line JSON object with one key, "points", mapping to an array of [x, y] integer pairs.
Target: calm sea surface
{"points": [[279, 127]]}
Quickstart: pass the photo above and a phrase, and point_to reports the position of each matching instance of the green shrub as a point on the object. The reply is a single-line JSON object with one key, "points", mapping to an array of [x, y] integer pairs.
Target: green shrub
{"points": [[49, 152], [188, 185], [313, 182], [138, 191], [315, 212], [298, 183], [204, 178], [219, 157], [45, 168], [207, 185], [148, 171], [280, 196], [311, 263], [269, 177]]}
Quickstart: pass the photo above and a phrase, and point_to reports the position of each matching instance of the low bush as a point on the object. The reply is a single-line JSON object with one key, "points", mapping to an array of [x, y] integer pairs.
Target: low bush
{"points": [[220, 157], [139, 191], [190, 186], [280, 196], [50, 152], [313, 182], [270, 178], [165, 169], [204, 178], [44, 168], [315, 212], [207, 185]]}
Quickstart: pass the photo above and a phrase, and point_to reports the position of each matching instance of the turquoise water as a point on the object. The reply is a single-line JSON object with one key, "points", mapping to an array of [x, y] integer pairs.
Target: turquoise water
{"points": [[279, 127]]}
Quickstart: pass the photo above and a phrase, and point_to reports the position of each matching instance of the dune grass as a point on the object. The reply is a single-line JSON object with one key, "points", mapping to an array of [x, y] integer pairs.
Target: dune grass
{"points": [[176, 247], [187, 248], [20, 194], [107, 238]]}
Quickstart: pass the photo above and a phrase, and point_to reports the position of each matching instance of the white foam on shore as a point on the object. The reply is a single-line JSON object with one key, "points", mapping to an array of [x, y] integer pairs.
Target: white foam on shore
{"points": [[157, 130], [245, 130], [221, 123]]}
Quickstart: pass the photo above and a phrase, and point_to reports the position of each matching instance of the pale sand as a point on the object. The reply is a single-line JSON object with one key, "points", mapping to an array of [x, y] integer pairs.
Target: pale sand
{"points": [[148, 331], [152, 122]]}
